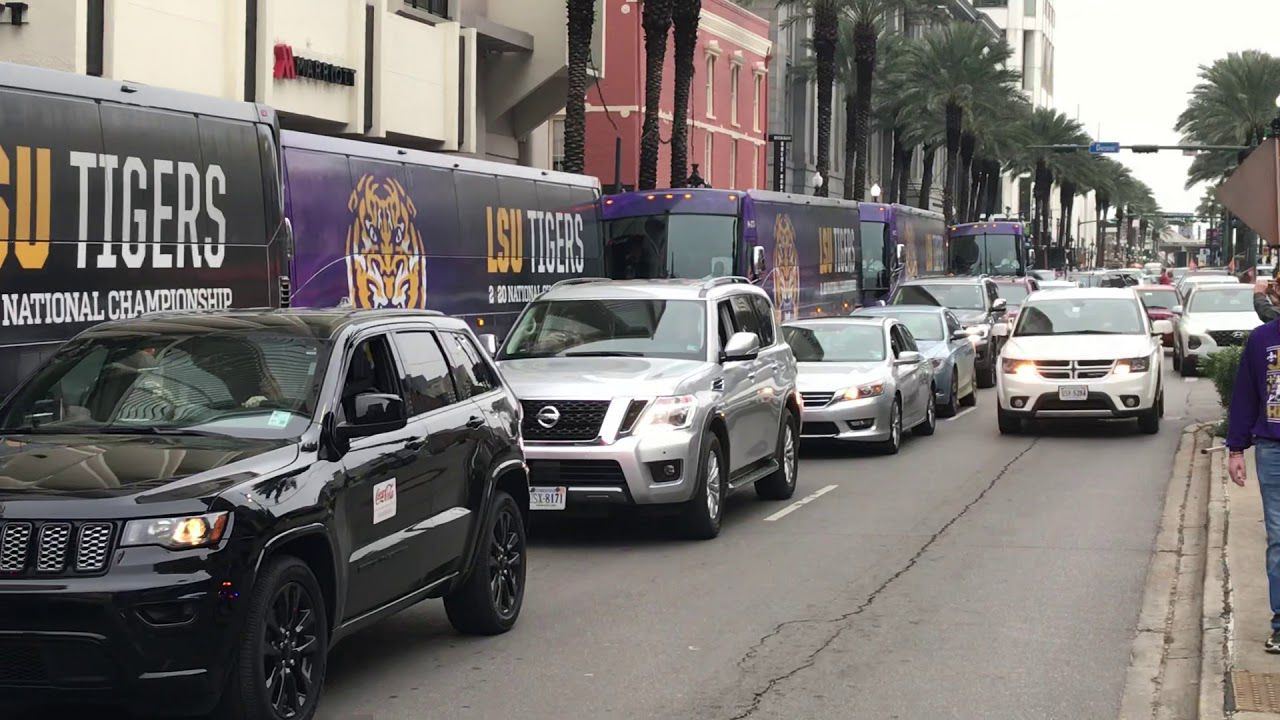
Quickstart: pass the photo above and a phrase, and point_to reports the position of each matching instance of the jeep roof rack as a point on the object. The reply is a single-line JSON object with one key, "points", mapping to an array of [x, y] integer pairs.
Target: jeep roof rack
{"points": [[716, 282]]}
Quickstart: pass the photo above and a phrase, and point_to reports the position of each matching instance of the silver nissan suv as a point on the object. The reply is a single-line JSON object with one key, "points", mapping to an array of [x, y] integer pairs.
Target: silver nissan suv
{"points": [[652, 393]]}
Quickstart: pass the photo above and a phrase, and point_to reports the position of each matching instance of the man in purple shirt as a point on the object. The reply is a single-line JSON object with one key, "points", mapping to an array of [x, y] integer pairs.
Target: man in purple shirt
{"points": [[1254, 419]]}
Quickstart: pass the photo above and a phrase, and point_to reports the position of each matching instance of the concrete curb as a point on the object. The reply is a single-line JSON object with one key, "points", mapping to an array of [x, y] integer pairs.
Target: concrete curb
{"points": [[1215, 662], [1164, 678]]}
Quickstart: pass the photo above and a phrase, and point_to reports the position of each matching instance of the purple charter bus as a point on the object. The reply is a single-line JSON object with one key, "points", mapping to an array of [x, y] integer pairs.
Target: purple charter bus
{"points": [[386, 227], [987, 248], [899, 242], [803, 250]]}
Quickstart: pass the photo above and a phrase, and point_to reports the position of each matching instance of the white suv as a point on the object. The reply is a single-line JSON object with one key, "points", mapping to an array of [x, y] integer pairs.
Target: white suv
{"points": [[1088, 353]]}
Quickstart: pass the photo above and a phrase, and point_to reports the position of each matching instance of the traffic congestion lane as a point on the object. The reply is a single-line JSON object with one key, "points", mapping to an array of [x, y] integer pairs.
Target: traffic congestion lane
{"points": [[622, 620]]}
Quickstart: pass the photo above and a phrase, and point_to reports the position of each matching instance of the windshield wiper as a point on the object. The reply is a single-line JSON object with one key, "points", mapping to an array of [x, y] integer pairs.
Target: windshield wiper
{"points": [[146, 430], [603, 353]]}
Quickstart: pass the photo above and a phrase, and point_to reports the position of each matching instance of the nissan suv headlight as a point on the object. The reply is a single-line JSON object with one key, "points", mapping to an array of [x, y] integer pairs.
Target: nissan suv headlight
{"points": [[1138, 364], [177, 533], [674, 412]]}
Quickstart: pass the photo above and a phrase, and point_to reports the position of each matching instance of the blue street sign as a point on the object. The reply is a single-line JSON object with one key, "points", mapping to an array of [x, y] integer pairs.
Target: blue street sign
{"points": [[1098, 148]]}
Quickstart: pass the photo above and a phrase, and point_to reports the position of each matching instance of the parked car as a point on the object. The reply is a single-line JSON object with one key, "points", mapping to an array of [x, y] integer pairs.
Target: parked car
{"points": [[945, 344], [976, 302], [1043, 275], [863, 379], [1214, 316], [1159, 301], [196, 507], [654, 394], [1015, 290], [1082, 354]]}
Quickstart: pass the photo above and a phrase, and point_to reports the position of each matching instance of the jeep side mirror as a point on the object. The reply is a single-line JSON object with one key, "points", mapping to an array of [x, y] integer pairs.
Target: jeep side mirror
{"points": [[1161, 327], [1000, 305], [1176, 309], [1000, 330], [741, 346], [489, 342], [960, 335], [374, 414]]}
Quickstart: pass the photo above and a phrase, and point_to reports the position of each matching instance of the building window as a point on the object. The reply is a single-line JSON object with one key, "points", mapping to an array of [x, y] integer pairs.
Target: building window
{"points": [[755, 166], [439, 8], [557, 144], [711, 86], [733, 94], [1029, 8], [733, 164], [706, 157], [811, 105], [1028, 60], [757, 87]]}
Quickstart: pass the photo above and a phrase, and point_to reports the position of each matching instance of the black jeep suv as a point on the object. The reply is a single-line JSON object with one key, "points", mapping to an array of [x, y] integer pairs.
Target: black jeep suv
{"points": [[194, 507]]}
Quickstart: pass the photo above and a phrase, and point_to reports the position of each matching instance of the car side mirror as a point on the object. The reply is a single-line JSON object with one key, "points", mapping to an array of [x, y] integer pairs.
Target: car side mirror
{"points": [[374, 414], [1000, 305], [1000, 330], [898, 252], [741, 346], [489, 342], [960, 335], [758, 265], [1176, 309], [908, 357], [1161, 327]]}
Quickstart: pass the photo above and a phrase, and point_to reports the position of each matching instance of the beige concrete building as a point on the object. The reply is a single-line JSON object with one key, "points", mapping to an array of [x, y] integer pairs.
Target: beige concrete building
{"points": [[474, 76]]}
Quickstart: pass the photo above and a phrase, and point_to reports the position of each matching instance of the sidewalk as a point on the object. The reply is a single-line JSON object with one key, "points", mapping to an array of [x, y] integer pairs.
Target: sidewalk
{"points": [[1255, 675]]}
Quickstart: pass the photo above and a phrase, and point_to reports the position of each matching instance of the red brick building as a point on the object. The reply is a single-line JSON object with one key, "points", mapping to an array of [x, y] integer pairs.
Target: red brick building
{"points": [[728, 108]]}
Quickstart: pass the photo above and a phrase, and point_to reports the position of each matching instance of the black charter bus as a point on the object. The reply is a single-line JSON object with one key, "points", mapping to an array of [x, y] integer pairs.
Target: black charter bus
{"points": [[119, 199]]}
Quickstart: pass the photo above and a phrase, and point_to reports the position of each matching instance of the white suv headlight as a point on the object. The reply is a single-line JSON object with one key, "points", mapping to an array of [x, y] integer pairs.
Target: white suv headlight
{"points": [[674, 412]]}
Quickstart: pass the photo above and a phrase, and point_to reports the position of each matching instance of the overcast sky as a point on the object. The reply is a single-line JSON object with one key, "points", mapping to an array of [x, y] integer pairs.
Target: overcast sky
{"points": [[1128, 66]]}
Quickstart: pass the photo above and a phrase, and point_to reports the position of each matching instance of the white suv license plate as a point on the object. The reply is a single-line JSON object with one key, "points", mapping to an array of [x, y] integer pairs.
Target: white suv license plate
{"points": [[547, 498], [1073, 392]]}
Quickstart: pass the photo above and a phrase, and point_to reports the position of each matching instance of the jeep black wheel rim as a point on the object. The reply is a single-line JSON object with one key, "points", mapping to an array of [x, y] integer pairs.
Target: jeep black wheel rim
{"points": [[291, 650], [506, 564]]}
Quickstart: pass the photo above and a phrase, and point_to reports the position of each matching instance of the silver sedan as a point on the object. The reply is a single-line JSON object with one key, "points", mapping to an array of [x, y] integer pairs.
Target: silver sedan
{"points": [[862, 379]]}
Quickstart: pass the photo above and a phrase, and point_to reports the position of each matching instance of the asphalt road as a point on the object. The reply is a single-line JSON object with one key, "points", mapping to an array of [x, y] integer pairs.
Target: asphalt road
{"points": [[972, 575]]}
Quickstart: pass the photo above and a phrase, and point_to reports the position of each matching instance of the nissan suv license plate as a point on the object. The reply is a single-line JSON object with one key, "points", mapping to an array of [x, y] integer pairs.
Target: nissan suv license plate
{"points": [[1073, 392], [547, 498]]}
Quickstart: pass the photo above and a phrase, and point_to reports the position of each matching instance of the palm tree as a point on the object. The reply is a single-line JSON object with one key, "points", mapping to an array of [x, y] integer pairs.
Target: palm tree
{"points": [[998, 133], [953, 71], [1046, 126], [826, 31], [867, 20], [1232, 105], [581, 19], [685, 15], [656, 20]]}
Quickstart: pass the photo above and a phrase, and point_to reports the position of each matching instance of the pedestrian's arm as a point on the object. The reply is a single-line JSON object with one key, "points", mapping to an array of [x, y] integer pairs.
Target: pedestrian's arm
{"points": [[1243, 411], [1262, 305]]}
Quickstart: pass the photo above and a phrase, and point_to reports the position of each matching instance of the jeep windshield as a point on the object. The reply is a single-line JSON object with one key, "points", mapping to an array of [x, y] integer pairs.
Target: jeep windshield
{"points": [[242, 384], [1079, 316], [602, 328]]}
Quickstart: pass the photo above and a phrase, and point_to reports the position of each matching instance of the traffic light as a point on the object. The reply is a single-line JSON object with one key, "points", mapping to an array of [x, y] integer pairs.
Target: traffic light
{"points": [[1145, 149]]}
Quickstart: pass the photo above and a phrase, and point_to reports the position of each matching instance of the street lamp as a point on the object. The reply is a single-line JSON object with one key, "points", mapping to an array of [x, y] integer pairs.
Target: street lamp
{"points": [[818, 180], [875, 191], [1275, 124]]}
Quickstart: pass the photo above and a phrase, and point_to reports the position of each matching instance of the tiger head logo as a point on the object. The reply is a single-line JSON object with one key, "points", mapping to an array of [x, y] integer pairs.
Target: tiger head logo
{"points": [[386, 260], [786, 269]]}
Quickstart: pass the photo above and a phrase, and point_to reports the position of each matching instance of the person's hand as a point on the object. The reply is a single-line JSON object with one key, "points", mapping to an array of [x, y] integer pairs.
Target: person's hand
{"points": [[1235, 468], [1260, 287]]}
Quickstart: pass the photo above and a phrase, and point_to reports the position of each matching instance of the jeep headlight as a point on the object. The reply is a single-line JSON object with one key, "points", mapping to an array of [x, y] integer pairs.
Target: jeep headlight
{"points": [[177, 533], [1128, 365], [674, 412]]}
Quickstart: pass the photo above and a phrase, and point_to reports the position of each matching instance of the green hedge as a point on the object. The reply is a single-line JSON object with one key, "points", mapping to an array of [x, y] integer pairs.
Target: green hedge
{"points": [[1220, 367]]}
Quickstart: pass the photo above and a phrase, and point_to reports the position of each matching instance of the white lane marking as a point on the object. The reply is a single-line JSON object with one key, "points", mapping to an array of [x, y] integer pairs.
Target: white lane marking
{"points": [[800, 503], [1190, 379], [959, 415]]}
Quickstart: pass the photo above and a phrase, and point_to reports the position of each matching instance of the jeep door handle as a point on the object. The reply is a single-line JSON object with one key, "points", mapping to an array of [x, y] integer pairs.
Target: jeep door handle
{"points": [[474, 422]]}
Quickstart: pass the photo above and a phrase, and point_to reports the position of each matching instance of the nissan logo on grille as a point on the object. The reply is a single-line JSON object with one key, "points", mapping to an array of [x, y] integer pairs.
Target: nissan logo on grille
{"points": [[548, 416]]}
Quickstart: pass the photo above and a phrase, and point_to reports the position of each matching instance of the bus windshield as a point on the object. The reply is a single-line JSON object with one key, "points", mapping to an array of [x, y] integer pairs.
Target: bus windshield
{"points": [[875, 274], [670, 246], [986, 254]]}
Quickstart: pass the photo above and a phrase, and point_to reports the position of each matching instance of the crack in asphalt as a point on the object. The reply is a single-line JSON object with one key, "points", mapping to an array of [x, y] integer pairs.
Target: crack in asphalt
{"points": [[841, 621]]}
